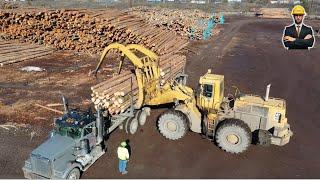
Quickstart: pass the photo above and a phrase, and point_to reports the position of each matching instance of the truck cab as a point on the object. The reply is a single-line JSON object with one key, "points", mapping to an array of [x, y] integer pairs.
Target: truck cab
{"points": [[73, 146]]}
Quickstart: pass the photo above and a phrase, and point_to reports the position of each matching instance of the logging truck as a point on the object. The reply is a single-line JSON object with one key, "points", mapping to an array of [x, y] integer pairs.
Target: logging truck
{"points": [[232, 122]]}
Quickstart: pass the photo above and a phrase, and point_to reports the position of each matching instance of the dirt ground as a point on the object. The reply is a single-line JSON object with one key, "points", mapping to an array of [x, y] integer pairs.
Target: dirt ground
{"points": [[248, 52]]}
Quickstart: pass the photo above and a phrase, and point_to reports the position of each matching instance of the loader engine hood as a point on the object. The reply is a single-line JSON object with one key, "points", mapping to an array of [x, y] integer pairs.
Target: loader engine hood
{"points": [[273, 108], [257, 100], [54, 147]]}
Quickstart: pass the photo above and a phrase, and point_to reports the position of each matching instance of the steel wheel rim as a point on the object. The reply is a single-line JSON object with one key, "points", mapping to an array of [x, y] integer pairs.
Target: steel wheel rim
{"points": [[172, 126], [233, 139]]}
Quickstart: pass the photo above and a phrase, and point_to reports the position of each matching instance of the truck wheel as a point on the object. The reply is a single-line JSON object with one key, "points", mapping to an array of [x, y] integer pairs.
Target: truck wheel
{"points": [[173, 124], [143, 118], [233, 136], [132, 125], [74, 174]]}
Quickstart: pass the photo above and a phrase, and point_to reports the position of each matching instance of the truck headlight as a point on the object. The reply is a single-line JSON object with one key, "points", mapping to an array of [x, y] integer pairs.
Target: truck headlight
{"points": [[277, 117]]}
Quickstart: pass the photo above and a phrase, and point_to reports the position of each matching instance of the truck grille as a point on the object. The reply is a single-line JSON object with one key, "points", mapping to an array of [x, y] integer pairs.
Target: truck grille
{"points": [[41, 165]]}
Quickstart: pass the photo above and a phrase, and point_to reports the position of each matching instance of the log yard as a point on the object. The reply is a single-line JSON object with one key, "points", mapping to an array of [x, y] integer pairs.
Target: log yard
{"points": [[159, 89]]}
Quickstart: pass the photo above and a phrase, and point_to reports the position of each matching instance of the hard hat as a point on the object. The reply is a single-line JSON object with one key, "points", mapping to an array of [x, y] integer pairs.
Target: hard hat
{"points": [[123, 144], [298, 10]]}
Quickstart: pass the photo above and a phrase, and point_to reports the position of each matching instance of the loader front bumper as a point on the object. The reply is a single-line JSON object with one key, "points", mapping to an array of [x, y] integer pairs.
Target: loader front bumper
{"points": [[281, 135]]}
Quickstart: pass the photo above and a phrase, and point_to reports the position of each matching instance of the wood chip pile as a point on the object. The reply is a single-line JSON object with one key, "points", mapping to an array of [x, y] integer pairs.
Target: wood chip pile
{"points": [[274, 12], [181, 21], [86, 31]]}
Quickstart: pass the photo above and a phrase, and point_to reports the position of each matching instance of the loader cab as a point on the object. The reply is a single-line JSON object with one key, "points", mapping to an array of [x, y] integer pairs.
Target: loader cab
{"points": [[210, 91]]}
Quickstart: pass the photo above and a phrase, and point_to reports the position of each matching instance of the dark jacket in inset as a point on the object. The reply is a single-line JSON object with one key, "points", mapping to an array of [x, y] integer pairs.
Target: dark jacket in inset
{"points": [[300, 42]]}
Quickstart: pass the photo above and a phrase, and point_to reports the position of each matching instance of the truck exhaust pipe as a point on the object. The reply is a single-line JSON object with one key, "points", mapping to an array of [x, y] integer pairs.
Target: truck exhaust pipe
{"points": [[99, 125], [65, 105], [266, 98]]}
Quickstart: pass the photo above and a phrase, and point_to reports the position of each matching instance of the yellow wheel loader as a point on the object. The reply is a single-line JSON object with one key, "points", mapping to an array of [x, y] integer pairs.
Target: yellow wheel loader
{"points": [[231, 121]]}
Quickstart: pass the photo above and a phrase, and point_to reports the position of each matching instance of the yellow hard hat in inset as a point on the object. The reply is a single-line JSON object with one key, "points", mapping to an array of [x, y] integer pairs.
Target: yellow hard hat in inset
{"points": [[298, 10]]}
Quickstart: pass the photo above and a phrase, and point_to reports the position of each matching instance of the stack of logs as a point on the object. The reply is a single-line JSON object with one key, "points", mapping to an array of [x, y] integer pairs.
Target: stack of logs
{"points": [[184, 22], [117, 93], [171, 65], [86, 31]]}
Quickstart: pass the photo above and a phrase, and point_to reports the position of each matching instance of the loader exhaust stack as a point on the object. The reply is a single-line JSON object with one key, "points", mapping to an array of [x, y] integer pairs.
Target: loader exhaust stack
{"points": [[266, 98]]}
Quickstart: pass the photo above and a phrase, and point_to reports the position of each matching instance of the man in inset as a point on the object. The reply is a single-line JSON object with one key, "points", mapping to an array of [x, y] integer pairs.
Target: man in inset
{"points": [[123, 155], [298, 35]]}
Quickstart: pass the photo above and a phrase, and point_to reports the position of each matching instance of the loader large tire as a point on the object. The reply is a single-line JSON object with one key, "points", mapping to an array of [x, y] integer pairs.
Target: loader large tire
{"points": [[233, 136], [173, 124]]}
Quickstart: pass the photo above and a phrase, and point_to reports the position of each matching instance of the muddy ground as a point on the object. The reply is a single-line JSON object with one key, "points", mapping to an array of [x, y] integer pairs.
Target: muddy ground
{"points": [[248, 52]]}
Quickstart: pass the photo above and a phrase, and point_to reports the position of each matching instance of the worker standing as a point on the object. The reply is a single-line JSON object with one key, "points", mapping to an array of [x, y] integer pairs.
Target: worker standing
{"points": [[123, 155]]}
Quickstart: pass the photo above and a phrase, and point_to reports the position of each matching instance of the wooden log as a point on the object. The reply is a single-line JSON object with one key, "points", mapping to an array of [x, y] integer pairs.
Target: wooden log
{"points": [[114, 80], [50, 109]]}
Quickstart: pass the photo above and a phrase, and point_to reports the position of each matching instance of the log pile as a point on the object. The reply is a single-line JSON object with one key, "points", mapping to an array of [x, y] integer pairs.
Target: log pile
{"points": [[8, 5], [12, 52], [274, 12], [184, 22], [116, 93], [170, 66], [86, 31]]}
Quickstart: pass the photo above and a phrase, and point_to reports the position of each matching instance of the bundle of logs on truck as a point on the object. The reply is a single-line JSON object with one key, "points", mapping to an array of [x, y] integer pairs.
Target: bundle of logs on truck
{"points": [[184, 22], [86, 31], [121, 91], [115, 94]]}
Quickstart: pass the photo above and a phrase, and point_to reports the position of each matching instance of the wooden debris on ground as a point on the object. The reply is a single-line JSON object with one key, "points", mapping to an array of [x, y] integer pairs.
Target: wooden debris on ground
{"points": [[48, 108], [7, 126], [12, 125], [54, 104]]}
